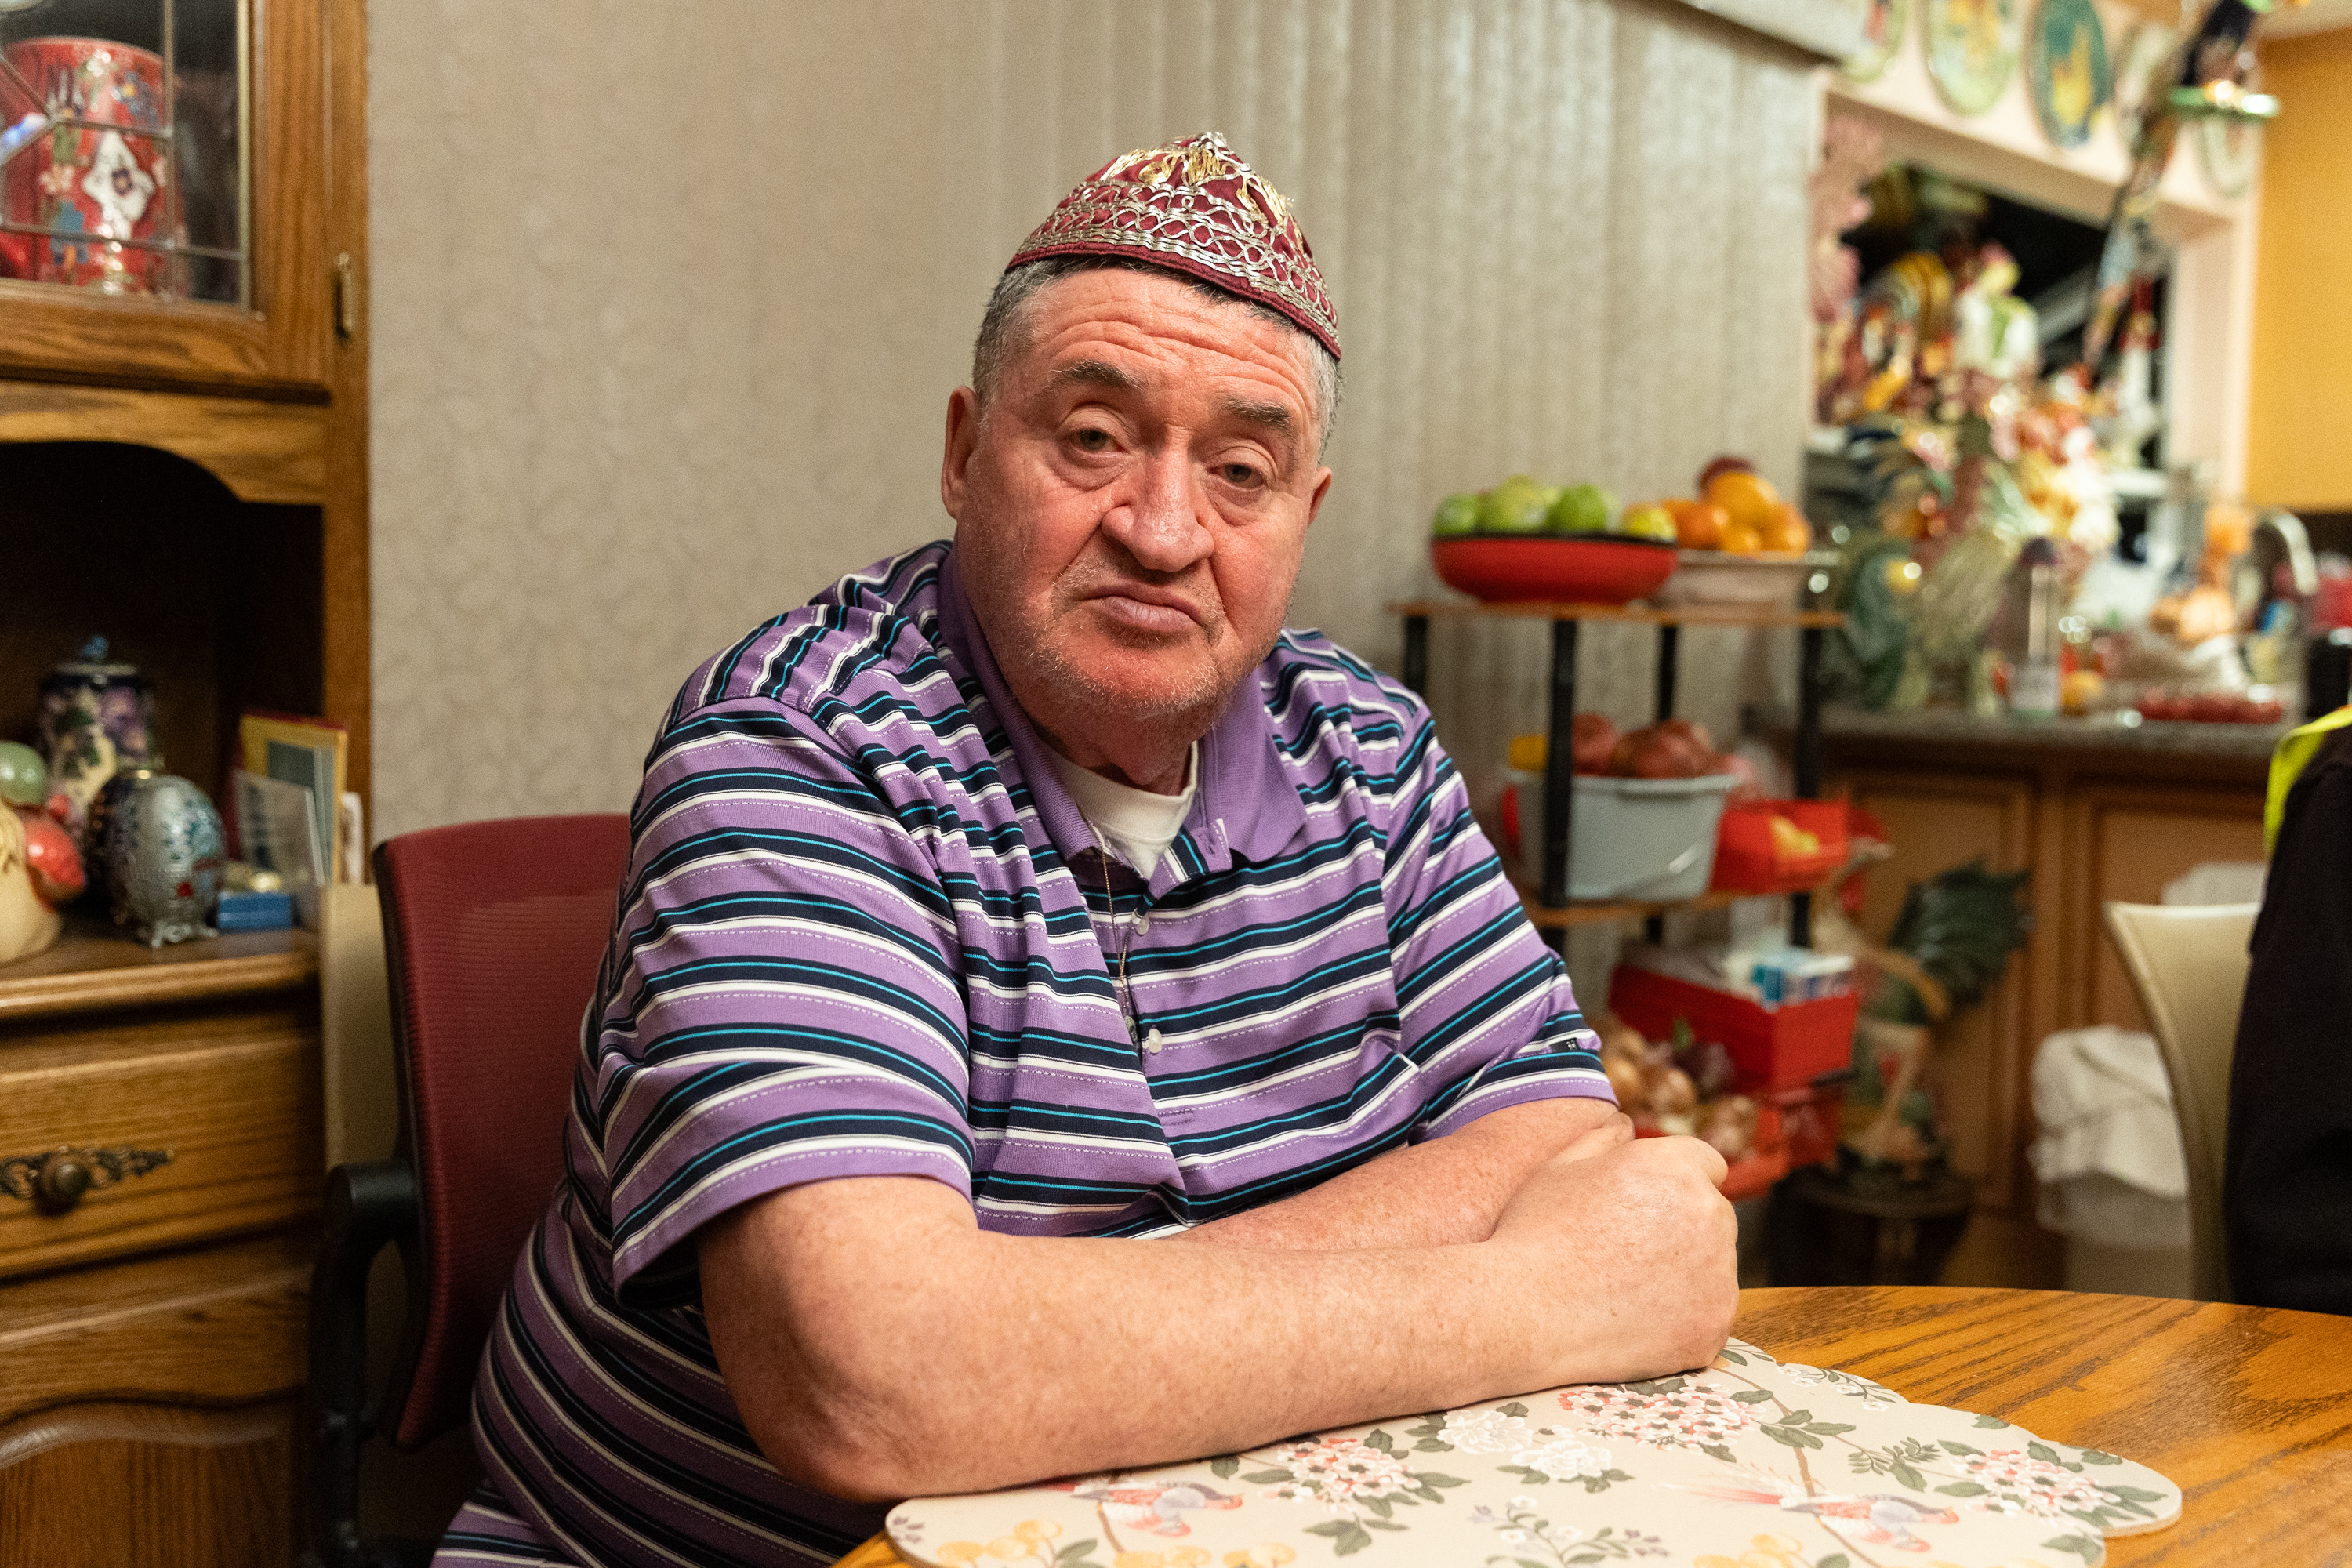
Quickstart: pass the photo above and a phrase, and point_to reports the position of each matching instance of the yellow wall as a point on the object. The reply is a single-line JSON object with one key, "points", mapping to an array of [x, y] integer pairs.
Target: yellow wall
{"points": [[2300, 417]]}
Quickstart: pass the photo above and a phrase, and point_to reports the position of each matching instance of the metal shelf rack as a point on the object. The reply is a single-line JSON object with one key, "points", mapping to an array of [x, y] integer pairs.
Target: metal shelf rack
{"points": [[1548, 906]]}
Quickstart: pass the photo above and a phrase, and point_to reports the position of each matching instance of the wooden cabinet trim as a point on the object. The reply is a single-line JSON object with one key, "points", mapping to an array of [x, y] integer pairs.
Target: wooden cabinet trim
{"points": [[127, 1421], [86, 974], [261, 451]]}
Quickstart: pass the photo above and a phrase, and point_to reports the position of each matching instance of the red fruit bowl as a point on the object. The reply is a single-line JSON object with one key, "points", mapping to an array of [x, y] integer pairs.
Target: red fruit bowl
{"points": [[1533, 568]]}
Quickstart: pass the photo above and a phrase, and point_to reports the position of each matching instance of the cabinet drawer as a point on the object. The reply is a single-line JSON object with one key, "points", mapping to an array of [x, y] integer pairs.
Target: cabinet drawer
{"points": [[212, 1327], [232, 1097]]}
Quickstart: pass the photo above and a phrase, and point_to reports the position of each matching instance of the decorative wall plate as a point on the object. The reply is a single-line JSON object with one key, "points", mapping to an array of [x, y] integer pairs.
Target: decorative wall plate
{"points": [[1971, 49], [1882, 36], [1750, 1462], [2066, 69], [2148, 49]]}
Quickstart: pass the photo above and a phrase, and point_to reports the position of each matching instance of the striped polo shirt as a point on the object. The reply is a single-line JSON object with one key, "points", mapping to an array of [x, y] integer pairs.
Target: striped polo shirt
{"points": [[865, 932]]}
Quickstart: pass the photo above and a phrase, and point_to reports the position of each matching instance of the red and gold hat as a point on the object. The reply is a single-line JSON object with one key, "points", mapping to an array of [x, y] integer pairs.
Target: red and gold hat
{"points": [[1193, 207]]}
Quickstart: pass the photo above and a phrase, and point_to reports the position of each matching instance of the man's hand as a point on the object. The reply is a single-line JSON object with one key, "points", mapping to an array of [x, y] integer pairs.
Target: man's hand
{"points": [[1630, 1243]]}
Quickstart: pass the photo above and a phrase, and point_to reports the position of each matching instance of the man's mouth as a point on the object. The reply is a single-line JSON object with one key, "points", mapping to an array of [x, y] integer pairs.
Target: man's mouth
{"points": [[1140, 608]]}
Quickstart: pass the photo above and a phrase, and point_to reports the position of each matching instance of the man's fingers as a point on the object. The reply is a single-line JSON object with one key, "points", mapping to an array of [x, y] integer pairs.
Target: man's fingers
{"points": [[1700, 1154]]}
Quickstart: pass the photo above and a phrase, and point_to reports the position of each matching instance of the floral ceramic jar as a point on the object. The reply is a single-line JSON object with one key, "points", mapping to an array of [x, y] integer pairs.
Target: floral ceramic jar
{"points": [[96, 716], [163, 853], [88, 204]]}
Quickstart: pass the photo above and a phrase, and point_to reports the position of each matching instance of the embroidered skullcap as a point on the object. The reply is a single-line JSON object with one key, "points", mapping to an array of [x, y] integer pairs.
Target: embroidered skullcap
{"points": [[1193, 207]]}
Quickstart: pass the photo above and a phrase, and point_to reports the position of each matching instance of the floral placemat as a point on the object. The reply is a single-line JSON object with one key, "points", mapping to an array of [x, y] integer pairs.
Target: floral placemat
{"points": [[1752, 1463]]}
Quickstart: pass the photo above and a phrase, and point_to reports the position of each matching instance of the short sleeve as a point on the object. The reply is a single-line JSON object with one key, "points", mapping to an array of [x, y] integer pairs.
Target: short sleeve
{"points": [[780, 1005], [1489, 1017]]}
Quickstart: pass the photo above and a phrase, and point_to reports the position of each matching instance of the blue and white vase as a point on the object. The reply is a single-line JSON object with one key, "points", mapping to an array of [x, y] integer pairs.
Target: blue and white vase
{"points": [[164, 853]]}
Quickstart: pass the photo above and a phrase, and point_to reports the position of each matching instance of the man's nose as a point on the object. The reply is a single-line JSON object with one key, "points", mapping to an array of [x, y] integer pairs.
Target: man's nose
{"points": [[1159, 522]]}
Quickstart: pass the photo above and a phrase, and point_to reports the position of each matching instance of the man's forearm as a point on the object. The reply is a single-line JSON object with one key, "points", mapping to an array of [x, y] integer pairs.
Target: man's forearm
{"points": [[1444, 1192], [880, 1345], [1055, 1356]]}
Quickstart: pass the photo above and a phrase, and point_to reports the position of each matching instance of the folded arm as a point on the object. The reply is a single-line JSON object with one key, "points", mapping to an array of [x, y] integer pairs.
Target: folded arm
{"points": [[1440, 1193], [880, 1345]]}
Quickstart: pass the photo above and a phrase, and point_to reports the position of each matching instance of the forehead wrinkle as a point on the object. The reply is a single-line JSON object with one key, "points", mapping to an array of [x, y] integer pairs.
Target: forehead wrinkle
{"points": [[1096, 373]]}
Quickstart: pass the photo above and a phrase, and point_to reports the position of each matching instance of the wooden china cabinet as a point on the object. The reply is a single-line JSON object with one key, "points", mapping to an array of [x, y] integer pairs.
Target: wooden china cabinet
{"points": [[184, 470]]}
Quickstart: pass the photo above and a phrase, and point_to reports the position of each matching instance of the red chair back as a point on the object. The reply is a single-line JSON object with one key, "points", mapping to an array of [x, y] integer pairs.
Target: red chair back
{"points": [[493, 934]]}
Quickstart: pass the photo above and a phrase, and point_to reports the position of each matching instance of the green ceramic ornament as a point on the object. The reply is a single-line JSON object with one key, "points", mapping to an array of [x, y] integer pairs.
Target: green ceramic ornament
{"points": [[24, 777]]}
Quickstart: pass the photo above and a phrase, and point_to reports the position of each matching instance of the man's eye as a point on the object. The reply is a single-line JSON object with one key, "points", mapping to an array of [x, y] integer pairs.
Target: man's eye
{"points": [[1240, 474], [1091, 440]]}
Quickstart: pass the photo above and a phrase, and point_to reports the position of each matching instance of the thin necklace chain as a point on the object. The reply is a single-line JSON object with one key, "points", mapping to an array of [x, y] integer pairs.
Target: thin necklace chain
{"points": [[1126, 930]]}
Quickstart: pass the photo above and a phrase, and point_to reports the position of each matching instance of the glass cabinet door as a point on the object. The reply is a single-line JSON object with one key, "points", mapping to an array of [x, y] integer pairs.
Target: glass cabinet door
{"points": [[123, 147], [167, 191]]}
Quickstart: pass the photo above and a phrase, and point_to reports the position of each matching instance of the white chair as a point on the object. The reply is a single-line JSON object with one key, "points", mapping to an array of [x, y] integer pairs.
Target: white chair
{"points": [[2189, 965]]}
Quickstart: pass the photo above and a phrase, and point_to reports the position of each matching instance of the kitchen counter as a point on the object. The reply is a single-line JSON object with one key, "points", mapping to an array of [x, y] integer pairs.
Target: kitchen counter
{"points": [[2105, 744]]}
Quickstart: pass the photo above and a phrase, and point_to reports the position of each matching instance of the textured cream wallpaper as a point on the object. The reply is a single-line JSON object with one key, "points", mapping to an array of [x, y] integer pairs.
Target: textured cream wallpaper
{"points": [[667, 301]]}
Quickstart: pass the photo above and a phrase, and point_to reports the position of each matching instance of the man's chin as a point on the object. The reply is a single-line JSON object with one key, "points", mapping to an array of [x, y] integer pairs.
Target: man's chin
{"points": [[1127, 684]]}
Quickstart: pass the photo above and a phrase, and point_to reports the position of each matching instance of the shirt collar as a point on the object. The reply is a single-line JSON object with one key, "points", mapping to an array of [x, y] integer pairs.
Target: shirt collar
{"points": [[1245, 807]]}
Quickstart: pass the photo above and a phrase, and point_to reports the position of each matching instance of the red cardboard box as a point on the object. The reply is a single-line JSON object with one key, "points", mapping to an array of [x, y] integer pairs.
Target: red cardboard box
{"points": [[1786, 1046]]}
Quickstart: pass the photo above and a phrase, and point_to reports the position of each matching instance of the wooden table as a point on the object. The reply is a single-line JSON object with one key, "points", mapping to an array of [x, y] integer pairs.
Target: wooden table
{"points": [[2249, 1410]]}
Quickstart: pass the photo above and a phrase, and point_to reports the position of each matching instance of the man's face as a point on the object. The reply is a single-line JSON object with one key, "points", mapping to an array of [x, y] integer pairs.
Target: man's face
{"points": [[1132, 509]]}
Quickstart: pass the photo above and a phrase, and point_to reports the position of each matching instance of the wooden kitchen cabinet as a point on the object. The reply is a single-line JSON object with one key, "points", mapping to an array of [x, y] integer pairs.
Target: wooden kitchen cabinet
{"points": [[151, 1330], [2098, 815], [184, 470]]}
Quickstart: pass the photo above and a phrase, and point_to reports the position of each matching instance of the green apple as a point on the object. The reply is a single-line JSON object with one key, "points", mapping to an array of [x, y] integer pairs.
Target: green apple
{"points": [[1583, 509], [1455, 514], [1515, 506], [1648, 523]]}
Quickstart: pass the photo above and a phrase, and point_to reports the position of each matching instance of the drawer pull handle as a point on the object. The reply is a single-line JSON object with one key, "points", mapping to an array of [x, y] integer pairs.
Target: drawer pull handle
{"points": [[54, 1182]]}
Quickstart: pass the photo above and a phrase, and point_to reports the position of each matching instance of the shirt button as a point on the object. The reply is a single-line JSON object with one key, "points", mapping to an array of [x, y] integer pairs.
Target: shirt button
{"points": [[1143, 925], [1152, 1042]]}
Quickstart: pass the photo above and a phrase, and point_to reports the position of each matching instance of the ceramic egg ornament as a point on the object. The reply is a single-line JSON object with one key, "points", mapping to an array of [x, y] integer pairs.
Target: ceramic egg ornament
{"points": [[164, 853]]}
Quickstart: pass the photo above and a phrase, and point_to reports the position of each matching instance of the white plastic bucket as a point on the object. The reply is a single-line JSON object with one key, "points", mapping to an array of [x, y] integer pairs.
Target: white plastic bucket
{"points": [[1629, 838]]}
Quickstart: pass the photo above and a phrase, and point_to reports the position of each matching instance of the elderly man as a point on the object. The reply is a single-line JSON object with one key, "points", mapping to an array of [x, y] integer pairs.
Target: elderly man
{"points": [[1056, 1018]]}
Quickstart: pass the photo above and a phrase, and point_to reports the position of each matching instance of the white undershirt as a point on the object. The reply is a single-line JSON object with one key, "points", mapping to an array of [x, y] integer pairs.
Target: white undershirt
{"points": [[1137, 824]]}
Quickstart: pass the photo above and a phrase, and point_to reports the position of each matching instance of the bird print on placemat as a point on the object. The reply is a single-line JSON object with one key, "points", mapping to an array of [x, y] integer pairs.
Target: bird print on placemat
{"points": [[1885, 1518]]}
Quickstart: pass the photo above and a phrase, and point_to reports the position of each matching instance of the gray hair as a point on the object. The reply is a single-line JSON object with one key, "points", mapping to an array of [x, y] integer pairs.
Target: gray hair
{"points": [[1004, 328]]}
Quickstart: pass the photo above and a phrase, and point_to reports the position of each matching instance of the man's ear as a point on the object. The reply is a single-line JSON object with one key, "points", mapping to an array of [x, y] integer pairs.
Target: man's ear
{"points": [[962, 437], [1315, 501]]}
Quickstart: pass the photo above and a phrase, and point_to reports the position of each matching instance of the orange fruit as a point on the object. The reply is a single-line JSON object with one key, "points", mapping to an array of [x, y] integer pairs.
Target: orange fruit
{"points": [[1738, 539], [1698, 525], [1789, 532], [1746, 498]]}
